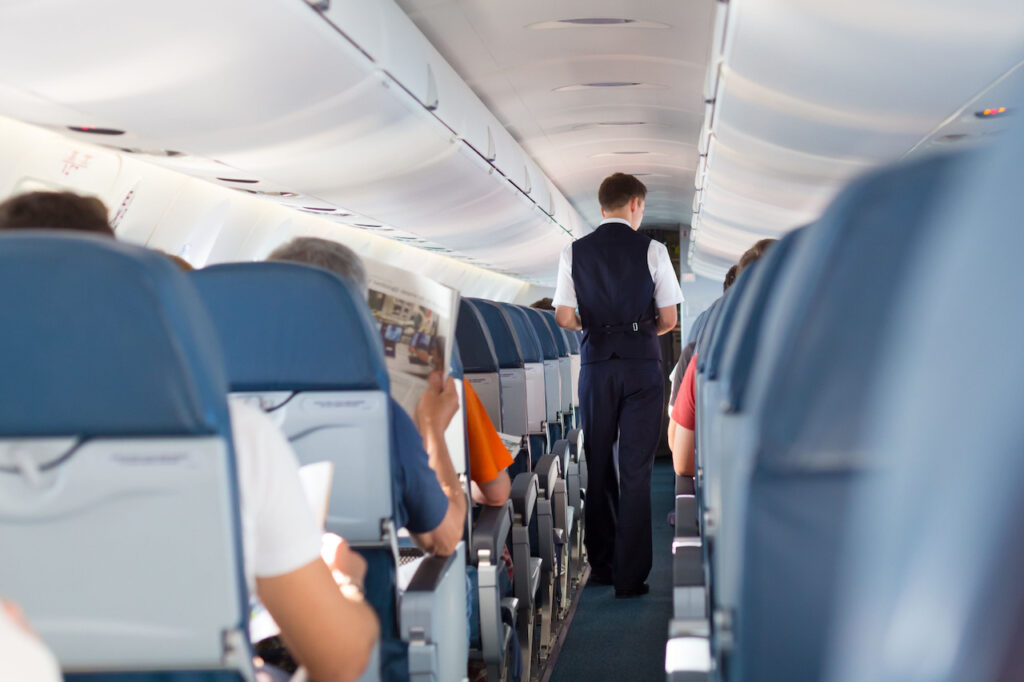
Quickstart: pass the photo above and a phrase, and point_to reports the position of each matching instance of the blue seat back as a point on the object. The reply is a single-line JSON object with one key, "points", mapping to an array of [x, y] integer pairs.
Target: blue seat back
{"points": [[116, 461], [832, 308], [938, 596], [482, 368], [301, 343], [533, 360], [512, 376]]}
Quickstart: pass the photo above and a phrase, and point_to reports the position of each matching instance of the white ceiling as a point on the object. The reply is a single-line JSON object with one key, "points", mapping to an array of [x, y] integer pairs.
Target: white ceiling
{"points": [[812, 92], [524, 74]]}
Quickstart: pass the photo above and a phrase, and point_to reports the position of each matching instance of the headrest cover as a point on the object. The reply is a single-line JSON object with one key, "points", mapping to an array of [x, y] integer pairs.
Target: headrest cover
{"points": [[292, 327], [474, 340], [529, 344], [102, 338], [506, 345], [557, 332], [546, 337]]}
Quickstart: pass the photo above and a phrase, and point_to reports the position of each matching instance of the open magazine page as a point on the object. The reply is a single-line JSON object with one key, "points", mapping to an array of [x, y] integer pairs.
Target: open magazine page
{"points": [[416, 317]]}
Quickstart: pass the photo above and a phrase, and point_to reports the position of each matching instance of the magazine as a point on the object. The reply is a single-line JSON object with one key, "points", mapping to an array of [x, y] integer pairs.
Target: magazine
{"points": [[416, 317]]}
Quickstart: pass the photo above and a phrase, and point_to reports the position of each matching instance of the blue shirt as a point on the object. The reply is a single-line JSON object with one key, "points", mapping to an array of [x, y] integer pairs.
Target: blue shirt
{"points": [[420, 504]]}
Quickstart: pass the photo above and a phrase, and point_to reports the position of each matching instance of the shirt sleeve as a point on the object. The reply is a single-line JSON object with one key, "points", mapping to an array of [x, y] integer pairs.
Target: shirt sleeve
{"points": [[488, 456], [684, 412], [419, 493], [666, 286], [284, 533], [565, 291]]}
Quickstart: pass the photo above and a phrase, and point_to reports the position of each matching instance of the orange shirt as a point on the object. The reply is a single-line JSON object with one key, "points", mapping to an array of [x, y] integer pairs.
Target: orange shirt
{"points": [[488, 456]]}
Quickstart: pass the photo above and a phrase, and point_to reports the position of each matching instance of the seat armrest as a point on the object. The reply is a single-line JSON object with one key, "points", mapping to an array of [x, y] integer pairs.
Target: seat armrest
{"points": [[548, 472], [575, 438], [430, 573], [490, 532], [561, 450], [685, 485], [524, 497]]}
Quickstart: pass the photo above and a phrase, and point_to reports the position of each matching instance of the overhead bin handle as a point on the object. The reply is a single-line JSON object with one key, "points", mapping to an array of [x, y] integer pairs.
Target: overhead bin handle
{"points": [[432, 99]]}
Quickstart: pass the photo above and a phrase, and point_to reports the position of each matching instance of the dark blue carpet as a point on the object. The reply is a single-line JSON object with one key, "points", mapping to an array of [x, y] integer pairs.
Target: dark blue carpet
{"points": [[624, 639]]}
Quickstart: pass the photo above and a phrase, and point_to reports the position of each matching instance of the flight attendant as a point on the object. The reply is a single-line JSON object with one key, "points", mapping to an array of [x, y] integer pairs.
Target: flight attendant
{"points": [[618, 286]]}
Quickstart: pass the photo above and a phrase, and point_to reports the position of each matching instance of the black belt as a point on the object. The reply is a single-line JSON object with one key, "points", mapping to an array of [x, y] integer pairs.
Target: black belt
{"points": [[626, 327]]}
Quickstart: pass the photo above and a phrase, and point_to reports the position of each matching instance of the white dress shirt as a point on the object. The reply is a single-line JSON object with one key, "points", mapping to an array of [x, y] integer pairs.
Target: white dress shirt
{"points": [[666, 286]]}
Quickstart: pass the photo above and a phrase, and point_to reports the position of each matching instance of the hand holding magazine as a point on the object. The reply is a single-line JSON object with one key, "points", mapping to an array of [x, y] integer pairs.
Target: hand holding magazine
{"points": [[416, 317]]}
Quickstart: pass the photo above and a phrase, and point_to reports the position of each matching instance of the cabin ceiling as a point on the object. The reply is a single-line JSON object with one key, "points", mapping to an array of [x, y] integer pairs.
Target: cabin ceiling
{"points": [[526, 64], [808, 93]]}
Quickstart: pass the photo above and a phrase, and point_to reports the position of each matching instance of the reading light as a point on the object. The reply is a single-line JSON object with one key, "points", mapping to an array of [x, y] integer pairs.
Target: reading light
{"points": [[92, 130], [992, 113]]}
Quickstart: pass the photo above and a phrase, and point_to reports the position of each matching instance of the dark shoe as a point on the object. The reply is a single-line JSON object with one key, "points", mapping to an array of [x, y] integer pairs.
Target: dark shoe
{"points": [[600, 578], [634, 592]]}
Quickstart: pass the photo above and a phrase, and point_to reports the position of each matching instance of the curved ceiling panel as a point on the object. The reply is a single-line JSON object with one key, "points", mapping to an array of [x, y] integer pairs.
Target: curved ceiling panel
{"points": [[808, 93]]}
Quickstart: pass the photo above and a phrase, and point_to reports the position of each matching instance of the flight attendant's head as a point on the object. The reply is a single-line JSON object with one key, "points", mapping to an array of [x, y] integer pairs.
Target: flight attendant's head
{"points": [[55, 210], [622, 196]]}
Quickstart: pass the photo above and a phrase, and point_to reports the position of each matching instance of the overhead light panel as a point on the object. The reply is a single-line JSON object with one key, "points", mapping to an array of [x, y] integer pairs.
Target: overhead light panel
{"points": [[93, 130], [598, 22], [992, 113]]}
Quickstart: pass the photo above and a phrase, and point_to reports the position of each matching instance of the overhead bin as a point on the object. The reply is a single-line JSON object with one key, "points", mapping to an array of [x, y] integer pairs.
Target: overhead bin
{"points": [[353, 107]]}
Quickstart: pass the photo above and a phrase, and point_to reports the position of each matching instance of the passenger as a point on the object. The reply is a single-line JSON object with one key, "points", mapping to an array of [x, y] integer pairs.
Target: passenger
{"points": [[543, 304], [684, 412], [22, 655], [57, 210], [317, 602], [684, 361], [430, 502], [435, 523], [489, 459]]}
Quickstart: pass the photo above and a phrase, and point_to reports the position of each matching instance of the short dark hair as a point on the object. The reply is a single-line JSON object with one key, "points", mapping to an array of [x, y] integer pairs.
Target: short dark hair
{"points": [[61, 210], [543, 304], [619, 189], [730, 277], [751, 255]]}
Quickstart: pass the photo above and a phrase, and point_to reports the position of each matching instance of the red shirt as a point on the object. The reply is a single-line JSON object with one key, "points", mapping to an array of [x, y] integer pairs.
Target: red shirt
{"points": [[684, 412]]}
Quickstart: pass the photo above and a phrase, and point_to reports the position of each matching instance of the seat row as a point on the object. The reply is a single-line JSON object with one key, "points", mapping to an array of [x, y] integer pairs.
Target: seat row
{"points": [[118, 488], [525, 368], [835, 484]]}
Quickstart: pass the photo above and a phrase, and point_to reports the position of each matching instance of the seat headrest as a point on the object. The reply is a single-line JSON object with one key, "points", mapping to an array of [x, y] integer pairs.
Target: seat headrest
{"points": [[548, 347], [529, 343], [506, 345], [560, 337], [292, 327], [474, 340], [456, 369], [102, 338]]}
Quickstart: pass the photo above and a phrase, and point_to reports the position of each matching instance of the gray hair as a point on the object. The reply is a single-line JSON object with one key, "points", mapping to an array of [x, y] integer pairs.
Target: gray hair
{"points": [[326, 254]]}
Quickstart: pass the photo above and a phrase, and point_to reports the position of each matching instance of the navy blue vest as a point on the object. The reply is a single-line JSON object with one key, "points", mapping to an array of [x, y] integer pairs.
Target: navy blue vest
{"points": [[615, 294]]}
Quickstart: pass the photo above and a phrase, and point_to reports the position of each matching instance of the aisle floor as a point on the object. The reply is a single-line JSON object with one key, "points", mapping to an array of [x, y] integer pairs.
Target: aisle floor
{"points": [[624, 639]]}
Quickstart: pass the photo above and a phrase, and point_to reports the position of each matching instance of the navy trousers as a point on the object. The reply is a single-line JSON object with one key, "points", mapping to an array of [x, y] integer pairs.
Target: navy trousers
{"points": [[620, 400]]}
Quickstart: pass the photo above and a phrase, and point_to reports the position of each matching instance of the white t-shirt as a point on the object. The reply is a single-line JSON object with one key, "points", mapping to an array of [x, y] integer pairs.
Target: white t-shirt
{"points": [[279, 533], [666, 286], [22, 656]]}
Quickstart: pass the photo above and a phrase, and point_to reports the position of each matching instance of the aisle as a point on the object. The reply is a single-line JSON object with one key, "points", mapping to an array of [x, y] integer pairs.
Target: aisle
{"points": [[624, 639]]}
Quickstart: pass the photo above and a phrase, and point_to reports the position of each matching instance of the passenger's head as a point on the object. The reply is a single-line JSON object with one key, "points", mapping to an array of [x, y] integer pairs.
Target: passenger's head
{"points": [[622, 194], [730, 277], [752, 254], [543, 304], [326, 254], [59, 210]]}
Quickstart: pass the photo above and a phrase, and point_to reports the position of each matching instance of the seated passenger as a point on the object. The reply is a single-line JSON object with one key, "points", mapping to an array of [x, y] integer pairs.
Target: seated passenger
{"points": [[684, 360], [56, 210], [684, 411], [429, 501], [22, 655], [318, 606], [489, 459]]}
